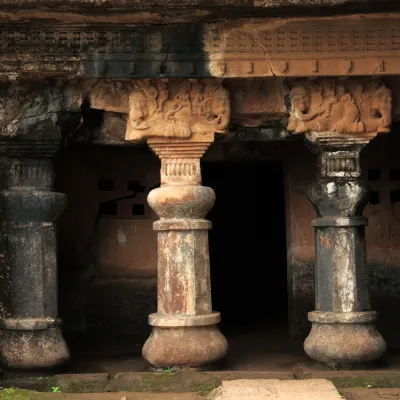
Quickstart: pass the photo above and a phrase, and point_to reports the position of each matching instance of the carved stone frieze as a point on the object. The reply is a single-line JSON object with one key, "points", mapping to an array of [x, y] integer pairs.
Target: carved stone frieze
{"points": [[243, 48], [177, 109], [327, 109], [361, 106]]}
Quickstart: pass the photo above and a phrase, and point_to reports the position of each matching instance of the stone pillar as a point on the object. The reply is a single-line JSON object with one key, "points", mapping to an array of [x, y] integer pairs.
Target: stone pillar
{"points": [[31, 336], [179, 121], [185, 329], [339, 120], [343, 325], [30, 132]]}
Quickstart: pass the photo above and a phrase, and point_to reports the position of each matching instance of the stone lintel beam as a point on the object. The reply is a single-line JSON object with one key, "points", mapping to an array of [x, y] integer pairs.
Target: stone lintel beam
{"points": [[339, 118], [336, 45], [178, 120]]}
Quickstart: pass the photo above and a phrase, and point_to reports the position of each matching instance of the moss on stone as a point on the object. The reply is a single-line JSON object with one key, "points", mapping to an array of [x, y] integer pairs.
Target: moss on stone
{"points": [[21, 394], [384, 381]]}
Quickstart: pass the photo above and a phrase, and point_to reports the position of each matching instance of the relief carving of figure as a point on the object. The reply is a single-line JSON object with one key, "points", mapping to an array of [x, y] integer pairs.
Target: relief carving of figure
{"points": [[331, 107], [177, 109], [143, 106], [350, 121], [381, 107], [304, 110]]}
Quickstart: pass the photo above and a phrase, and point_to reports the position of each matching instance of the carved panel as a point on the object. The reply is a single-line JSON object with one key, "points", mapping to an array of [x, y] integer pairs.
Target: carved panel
{"points": [[111, 95], [329, 108], [177, 109]]}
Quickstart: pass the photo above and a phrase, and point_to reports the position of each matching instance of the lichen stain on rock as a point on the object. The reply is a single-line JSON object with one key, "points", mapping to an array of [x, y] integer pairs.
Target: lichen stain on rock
{"points": [[325, 241], [121, 237], [345, 274]]}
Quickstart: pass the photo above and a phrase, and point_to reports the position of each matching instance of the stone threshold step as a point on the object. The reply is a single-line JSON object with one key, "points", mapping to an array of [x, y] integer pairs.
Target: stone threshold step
{"points": [[192, 381]]}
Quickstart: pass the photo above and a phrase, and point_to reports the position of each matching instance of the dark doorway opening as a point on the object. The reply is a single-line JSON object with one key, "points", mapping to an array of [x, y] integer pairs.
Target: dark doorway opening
{"points": [[248, 244], [249, 264]]}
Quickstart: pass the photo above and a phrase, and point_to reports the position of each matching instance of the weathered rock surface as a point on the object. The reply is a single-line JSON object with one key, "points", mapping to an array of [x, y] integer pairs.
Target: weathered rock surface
{"points": [[174, 11]]}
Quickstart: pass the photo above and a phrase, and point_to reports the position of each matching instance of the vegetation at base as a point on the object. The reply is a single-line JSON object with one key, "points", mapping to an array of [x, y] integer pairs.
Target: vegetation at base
{"points": [[20, 394], [385, 381]]}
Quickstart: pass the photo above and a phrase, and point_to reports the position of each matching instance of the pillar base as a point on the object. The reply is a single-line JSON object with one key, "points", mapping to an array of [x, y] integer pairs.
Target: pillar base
{"points": [[184, 342], [32, 344], [344, 338]]}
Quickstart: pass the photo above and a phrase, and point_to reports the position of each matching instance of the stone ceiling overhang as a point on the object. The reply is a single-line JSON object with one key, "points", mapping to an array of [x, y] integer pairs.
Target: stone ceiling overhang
{"points": [[358, 45], [177, 11]]}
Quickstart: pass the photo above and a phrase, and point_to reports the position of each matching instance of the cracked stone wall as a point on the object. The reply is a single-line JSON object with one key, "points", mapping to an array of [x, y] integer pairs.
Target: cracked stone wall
{"points": [[107, 249]]}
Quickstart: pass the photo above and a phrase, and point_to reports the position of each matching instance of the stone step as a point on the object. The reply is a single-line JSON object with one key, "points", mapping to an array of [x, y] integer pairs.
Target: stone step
{"points": [[270, 389]]}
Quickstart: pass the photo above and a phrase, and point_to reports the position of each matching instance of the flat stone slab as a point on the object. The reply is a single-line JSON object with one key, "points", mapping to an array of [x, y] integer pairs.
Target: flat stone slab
{"points": [[271, 389]]}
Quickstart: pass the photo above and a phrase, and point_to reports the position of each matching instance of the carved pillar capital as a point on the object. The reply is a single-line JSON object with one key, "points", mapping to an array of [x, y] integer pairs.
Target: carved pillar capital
{"points": [[177, 109], [179, 119], [340, 113]]}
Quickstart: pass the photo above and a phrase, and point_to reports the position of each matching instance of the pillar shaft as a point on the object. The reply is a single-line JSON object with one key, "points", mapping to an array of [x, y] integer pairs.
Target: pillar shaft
{"points": [[343, 325], [31, 336]]}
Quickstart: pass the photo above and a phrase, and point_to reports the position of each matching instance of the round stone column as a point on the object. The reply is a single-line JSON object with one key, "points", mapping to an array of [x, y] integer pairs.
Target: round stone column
{"points": [[185, 329], [343, 326], [30, 330]]}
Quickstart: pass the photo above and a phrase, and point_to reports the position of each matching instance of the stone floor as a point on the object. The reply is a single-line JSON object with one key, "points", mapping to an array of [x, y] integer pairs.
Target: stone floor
{"points": [[260, 348]]}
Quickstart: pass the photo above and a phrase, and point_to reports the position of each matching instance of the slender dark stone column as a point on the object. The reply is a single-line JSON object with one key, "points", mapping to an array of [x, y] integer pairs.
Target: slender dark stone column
{"points": [[31, 337], [343, 325]]}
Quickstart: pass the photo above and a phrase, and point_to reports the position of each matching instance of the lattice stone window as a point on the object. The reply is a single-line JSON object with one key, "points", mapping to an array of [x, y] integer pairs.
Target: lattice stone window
{"points": [[122, 199], [375, 198], [374, 177], [395, 175], [385, 186]]}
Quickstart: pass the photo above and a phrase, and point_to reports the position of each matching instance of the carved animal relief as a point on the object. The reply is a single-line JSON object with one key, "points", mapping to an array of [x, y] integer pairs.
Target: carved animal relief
{"points": [[331, 108], [177, 109]]}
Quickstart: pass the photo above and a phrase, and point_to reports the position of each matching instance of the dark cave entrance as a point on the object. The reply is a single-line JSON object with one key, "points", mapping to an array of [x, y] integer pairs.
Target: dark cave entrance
{"points": [[248, 245]]}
